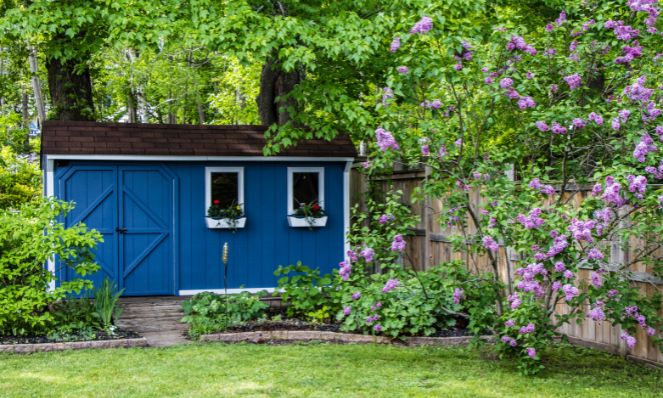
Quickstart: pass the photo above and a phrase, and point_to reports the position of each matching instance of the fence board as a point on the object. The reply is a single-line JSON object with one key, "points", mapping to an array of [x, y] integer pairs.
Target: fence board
{"points": [[431, 246]]}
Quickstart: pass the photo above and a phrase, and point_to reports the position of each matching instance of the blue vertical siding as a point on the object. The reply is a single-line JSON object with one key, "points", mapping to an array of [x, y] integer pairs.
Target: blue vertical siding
{"points": [[255, 251], [267, 241]]}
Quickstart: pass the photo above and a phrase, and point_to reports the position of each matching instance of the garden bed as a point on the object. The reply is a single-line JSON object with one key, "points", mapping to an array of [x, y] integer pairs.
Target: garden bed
{"points": [[42, 343], [268, 332]]}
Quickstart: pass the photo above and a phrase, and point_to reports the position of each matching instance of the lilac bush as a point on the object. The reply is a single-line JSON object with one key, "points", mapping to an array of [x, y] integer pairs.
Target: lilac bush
{"points": [[577, 101]]}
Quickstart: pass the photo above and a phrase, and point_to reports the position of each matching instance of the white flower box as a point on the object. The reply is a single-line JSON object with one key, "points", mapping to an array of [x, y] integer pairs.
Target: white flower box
{"points": [[307, 222], [225, 223]]}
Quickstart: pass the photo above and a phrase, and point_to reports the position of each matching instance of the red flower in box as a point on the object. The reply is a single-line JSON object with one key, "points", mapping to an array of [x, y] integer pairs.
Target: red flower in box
{"points": [[216, 201]]}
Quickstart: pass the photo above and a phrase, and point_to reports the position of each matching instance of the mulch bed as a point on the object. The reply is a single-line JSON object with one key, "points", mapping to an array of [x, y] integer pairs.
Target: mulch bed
{"points": [[101, 336]]}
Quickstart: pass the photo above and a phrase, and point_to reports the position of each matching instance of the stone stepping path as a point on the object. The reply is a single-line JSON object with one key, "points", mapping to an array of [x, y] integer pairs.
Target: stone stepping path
{"points": [[155, 318]]}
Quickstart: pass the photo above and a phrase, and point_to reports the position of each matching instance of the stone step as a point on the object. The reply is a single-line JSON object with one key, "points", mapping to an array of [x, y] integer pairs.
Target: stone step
{"points": [[139, 327], [151, 312]]}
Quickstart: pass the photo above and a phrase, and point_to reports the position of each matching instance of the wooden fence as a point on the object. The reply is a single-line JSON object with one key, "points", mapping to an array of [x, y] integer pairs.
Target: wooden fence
{"points": [[429, 245]]}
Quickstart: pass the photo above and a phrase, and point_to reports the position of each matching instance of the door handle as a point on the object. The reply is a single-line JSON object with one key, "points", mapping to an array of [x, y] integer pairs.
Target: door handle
{"points": [[121, 230]]}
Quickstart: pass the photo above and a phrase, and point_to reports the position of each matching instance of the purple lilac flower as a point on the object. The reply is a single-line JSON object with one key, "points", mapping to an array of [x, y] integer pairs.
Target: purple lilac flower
{"points": [[541, 125], [597, 279], [511, 93], [656, 171], [442, 152], [356, 295], [377, 328], [561, 19], [403, 69], [527, 329], [578, 123], [458, 143], [615, 124], [554, 88], [384, 219], [611, 193], [558, 128], [526, 102], [596, 118], [506, 83], [556, 286], [630, 340], [531, 352], [622, 31], [372, 318], [425, 150], [559, 244], [398, 244], [637, 185], [570, 292], [385, 139], [390, 285], [458, 295], [516, 43], [395, 44], [550, 27], [488, 80], [345, 269], [367, 253], [596, 314], [659, 132], [347, 310], [424, 25], [629, 53], [387, 94], [574, 81], [531, 221], [514, 300], [490, 244], [509, 340], [645, 146], [568, 274], [509, 323], [352, 255], [637, 91], [560, 267], [612, 293], [582, 230]]}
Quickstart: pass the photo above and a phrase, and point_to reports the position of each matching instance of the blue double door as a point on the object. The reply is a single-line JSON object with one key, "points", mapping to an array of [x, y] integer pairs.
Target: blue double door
{"points": [[133, 209]]}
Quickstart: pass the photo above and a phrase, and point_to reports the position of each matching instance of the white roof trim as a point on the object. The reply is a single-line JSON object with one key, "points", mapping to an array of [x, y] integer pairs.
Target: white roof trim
{"points": [[199, 158]]}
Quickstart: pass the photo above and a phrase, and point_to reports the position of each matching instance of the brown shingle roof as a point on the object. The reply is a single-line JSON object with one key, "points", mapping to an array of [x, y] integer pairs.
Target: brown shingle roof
{"points": [[94, 138]]}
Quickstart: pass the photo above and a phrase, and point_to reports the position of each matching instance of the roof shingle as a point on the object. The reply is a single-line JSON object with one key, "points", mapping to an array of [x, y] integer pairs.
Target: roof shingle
{"points": [[97, 138]]}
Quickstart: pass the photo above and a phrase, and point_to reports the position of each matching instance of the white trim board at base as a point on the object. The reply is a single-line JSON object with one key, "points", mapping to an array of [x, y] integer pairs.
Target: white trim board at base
{"points": [[192, 292]]}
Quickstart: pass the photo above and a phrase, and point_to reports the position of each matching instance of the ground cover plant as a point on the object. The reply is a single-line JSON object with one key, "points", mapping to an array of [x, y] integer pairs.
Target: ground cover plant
{"points": [[316, 370], [208, 312]]}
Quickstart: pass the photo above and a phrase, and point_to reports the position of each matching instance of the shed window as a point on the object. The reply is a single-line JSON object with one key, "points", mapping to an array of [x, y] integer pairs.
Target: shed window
{"points": [[224, 188], [225, 184], [305, 186]]}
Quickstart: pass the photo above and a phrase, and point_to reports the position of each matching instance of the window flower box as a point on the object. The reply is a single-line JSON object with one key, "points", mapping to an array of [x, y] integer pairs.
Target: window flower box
{"points": [[307, 222], [225, 223]]}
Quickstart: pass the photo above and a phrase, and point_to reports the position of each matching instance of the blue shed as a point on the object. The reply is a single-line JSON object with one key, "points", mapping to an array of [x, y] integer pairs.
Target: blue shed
{"points": [[148, 189]]}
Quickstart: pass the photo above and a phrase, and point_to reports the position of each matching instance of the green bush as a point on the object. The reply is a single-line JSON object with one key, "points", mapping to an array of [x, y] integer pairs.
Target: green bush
{"points": [[209, 312], [307, 294], [422, 303], [20, 181], [73, 319], [29, 237]]}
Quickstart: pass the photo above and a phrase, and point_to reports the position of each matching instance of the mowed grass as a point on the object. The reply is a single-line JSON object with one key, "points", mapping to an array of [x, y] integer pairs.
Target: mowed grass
{"points": [[317, 370]]}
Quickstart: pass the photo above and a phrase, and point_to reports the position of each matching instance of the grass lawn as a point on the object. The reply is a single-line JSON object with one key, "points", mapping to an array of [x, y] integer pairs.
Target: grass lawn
{"points": [[316, 370]]}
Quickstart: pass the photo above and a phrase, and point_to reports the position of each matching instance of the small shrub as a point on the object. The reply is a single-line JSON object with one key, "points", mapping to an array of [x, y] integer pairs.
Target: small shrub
{"points": [[306, 293], [73, 319], [29, 237], [209, 312]]}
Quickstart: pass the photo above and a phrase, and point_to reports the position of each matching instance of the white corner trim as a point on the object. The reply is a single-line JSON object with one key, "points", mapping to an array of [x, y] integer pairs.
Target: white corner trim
{"points": [[153, 158], [208, 183], [321, 184], [192, 292], [346, 208], [49, 191]]}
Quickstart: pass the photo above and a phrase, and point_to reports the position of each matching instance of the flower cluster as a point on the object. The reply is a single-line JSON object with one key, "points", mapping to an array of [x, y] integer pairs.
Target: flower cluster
{"points": [[385, 139]]}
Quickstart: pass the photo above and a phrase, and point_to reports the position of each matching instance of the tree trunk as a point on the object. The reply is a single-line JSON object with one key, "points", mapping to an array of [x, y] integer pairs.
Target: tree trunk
{"points": [[70, 86], [276, 83], [36, 85]]}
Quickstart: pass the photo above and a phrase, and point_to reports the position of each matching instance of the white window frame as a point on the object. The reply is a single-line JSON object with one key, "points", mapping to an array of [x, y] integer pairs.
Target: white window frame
{"points": [[321, 184], [208, 184]]}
